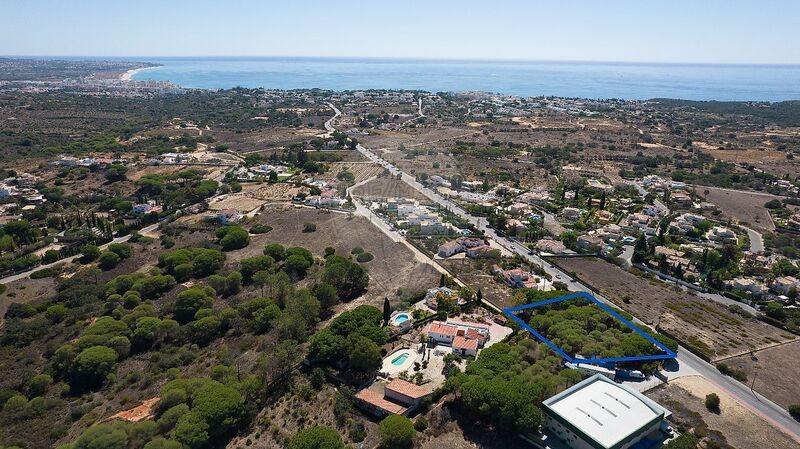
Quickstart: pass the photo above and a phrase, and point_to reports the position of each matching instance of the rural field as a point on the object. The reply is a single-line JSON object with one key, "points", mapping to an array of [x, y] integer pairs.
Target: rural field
{"points": [[735, 425], [361, 170], [746, 208], [775, 372], [705, 325], [394, 266], [471, 273], [387, 187]]}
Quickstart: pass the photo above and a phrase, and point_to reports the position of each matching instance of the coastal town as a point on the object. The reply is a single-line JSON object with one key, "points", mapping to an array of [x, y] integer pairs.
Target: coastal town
{"points": [[465, 269]]}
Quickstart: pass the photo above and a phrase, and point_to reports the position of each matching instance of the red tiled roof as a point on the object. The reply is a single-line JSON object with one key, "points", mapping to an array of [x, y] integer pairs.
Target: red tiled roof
{"points": [[441, 328], [407, 388], [474, 334], [376, 399], [465, 343]]}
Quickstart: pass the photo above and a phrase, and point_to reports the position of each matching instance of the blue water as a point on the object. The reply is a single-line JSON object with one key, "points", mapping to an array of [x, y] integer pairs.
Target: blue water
{"points": [[401, 318], [399, 360], [523, 78]]}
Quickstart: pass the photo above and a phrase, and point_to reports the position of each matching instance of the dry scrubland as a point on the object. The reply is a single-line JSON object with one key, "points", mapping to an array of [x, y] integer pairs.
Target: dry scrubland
{"points": [[471, 273], [387, 187], [772, 371], [361, 170], [393, 268], [707, 326], [734, 425], [744, 207]]}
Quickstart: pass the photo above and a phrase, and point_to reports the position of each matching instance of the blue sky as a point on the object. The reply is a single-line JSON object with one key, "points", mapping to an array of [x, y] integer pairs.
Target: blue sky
{"points": [[700, 31]]}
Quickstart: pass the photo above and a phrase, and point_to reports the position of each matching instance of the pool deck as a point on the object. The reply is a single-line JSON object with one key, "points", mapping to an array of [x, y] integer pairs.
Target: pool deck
{"points": [[393, 370]]}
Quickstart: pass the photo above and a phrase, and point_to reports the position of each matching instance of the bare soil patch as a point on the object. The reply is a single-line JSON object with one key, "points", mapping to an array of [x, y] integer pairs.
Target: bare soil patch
{"points": [[775, 371], [387, 187], [745, 207], [734, 425], [705, 325]]}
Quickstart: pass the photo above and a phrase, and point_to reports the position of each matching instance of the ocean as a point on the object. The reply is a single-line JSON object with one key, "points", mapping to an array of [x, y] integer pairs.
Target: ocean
{"points": [[523, 78]]}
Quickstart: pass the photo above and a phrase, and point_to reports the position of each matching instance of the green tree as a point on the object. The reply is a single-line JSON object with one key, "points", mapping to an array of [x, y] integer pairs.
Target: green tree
{"points": [[220, 406], [191, 430], [233, 237], [108, 260], [387, 311], [275, 250], [89, 253], [712, 402], [106, 436], [397, 432], [316, 437], [685, 441], [92, 365]]}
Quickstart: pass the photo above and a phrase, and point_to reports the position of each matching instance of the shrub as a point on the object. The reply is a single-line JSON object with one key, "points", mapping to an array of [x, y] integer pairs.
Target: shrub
{"points": [[89, 253], [39, 384], [364, 257], [45, 273], [232, 237], [685, 441], [93, 365], [275, 250], [56, 313], [712, 402], [260, 229], [108, 260], [121, 249], [794, 410], [316, 437], [309, 227], [420, 424], [397, 432], [357, 432]]}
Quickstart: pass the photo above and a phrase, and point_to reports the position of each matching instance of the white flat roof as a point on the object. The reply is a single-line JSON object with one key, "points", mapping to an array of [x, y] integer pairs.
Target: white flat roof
{"points": [[603, 410]]}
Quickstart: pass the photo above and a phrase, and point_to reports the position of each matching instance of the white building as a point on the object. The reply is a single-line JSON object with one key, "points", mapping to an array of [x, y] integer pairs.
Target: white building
{"points": [[598, 413]]}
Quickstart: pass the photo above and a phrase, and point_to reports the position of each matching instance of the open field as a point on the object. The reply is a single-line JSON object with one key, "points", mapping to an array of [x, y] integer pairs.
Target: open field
{"points": [[471, 273], [705, 325], [387, 187], [361, 170], [745, 207], [775, 371], [734, 425], [393, 268]]}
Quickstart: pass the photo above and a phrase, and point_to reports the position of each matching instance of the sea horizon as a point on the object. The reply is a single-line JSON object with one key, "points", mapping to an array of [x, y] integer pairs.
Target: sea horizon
{"points": [[519, 77]]}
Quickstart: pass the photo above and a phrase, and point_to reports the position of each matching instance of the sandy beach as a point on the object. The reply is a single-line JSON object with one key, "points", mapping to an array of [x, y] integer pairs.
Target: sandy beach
{"points": [[127, 76]]}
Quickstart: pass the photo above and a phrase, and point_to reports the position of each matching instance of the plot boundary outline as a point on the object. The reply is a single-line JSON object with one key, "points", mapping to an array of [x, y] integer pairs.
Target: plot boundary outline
{"points": [[510, 312]]}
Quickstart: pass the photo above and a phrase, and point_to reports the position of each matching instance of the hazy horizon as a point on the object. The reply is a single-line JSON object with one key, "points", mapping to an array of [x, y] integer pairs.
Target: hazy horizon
{"points": [[626, 31]]}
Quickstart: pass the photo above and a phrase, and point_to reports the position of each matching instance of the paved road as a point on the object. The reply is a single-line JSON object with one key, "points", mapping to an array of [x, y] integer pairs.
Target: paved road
{"points": [[24, 274], [756, 240], [760, 405]]}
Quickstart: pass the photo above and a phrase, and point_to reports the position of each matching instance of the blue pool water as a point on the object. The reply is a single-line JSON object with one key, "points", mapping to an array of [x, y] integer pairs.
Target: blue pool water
{"points": [[400, 319], [523, 78], [399, 360]]}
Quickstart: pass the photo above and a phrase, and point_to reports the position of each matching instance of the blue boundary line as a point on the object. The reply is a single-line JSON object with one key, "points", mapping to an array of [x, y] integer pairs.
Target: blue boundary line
{"points": [[509, 311]]}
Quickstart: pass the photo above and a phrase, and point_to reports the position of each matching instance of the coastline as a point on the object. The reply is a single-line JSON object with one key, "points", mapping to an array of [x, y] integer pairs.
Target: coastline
{"points": [[128, 76]]}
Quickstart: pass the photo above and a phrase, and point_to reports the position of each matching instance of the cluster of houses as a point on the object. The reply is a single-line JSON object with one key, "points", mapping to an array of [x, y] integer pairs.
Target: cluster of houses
{"points": [[260, 171], [147, 208], [411, 213], [474, 248], [70, 161], [21, 188]]}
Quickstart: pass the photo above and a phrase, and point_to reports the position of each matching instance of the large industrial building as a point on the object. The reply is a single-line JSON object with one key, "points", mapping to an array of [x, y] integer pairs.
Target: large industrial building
{"points": [[599, 413]]}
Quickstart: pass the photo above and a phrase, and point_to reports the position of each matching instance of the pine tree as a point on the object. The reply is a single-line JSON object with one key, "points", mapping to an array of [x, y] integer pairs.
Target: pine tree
{"points": [[387, 311]]}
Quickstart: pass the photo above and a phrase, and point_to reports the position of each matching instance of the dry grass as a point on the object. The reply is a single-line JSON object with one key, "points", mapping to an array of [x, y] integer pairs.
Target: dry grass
{"points": [[703, 324], [775, 371], [393, 267], [745, 207], [736, 425]]}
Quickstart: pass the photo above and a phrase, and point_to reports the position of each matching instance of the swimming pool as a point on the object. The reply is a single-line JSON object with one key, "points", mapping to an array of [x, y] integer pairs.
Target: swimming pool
{"points": [[400, 359], [401, 318]]}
